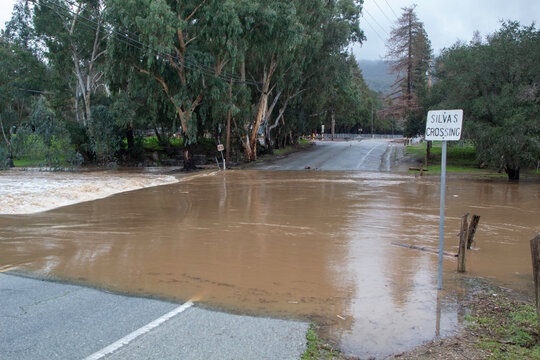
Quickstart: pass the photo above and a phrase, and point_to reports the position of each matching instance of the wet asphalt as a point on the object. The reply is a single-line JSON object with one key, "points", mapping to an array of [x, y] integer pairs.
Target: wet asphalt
{"points": [[51, 320], [365, 155]]}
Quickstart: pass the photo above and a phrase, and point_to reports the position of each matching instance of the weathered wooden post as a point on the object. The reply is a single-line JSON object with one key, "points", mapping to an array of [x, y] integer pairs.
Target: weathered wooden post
{"points": [[461, 266], [535, 252], [472, 230]]}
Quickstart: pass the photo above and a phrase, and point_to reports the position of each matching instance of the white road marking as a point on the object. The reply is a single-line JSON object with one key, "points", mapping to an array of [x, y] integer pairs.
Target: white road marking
{"points": [[141, 331], [365, 156]]}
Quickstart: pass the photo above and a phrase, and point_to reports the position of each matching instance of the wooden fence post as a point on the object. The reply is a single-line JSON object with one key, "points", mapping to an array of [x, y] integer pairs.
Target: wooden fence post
{"points": [[535, 252], [472, 230], [461, 264]]}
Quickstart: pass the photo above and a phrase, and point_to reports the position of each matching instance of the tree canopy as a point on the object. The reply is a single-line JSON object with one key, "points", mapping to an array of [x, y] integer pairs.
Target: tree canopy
{"points": [[109, 71], [496, 84]]}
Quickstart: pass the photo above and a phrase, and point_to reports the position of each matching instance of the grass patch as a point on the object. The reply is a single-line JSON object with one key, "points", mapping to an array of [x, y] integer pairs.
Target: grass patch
{"points": [[505, 327], [283, 151], [317, 349], [416, 150], [26, 163], [292, 148], [459, 159]]}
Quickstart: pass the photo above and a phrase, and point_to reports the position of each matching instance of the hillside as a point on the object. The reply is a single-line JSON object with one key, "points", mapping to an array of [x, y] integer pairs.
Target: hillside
{"points": [[377, 75]]}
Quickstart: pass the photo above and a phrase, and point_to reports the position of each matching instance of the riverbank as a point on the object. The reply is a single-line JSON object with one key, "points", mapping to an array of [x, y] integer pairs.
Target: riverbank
{"points": [[496, 324]]}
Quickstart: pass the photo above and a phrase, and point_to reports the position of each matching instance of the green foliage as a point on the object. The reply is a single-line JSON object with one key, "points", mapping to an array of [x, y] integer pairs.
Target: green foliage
{"points": [[317, 349], [506, 328], [23, 75], [105, 136], [80, 139], [5, 161], [44, 141], [460, 157], [178, 81], [495, 83]]}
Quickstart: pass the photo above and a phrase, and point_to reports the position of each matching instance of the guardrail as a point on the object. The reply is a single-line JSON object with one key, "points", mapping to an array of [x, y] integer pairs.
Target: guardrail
{"points": [[328, 137]]}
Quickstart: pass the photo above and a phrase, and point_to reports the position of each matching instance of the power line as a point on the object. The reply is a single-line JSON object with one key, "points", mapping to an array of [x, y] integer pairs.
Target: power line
{"points": [[375, 20], [387, 18], [397, 17], [372, 28], [190, 64]]}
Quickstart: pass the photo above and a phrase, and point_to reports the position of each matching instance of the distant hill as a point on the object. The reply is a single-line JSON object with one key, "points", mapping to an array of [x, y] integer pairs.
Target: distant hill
{"points": [[377, 75]]}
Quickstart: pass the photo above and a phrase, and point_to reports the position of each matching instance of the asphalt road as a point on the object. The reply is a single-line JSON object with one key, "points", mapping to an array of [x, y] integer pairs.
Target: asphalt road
{"points": [[365, 155], [51, 320]]}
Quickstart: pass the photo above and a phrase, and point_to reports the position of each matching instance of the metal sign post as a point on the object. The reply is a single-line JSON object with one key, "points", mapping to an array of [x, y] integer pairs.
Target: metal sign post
{"points": [[441, 221], [220, 148], [443, 125]]}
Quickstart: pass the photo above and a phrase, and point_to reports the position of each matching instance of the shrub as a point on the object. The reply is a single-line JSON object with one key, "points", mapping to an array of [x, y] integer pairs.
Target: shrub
{"points": [[105, 135]]}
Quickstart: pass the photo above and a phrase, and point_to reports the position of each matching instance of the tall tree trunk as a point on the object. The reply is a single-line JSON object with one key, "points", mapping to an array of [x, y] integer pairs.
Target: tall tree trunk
{"points": [[8, 142], [513, 173], [129, 136], [189, 163], [409, 64], [428, 152], [251, 154]]}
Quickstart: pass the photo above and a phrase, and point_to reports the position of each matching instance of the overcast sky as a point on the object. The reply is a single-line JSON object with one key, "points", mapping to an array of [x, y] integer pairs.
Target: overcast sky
{"points": [[445, 20]]}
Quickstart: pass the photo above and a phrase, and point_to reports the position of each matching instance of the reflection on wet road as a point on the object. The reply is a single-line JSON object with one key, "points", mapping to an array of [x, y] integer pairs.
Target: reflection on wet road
{"points": [[301, 244]]}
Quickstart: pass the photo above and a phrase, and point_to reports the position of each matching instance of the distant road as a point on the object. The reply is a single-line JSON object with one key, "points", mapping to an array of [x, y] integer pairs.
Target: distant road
{"points": [[366, 155]]}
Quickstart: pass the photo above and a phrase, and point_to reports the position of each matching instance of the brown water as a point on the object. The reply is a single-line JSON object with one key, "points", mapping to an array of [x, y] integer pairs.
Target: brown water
{"points": [[308, 245]]}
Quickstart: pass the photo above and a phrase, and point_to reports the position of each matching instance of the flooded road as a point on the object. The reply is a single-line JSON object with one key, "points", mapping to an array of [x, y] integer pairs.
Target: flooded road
{"points": [[302, 244]]}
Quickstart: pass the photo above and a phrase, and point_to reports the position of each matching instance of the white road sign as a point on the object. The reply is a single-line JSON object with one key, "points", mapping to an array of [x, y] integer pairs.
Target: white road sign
{"points": [[220, 147], [444, 125]]}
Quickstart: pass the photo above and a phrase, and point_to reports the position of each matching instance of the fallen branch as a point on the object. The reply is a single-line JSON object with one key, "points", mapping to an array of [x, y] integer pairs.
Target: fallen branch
{"points": [[425, 248]]}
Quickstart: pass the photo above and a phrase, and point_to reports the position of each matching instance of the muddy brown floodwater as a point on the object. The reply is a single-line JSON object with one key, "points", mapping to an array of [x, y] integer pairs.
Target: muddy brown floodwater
{"points": [[308, 245]]}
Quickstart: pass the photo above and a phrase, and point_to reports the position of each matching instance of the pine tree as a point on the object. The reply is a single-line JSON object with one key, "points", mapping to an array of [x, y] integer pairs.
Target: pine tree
{"points": [[409, 54]]}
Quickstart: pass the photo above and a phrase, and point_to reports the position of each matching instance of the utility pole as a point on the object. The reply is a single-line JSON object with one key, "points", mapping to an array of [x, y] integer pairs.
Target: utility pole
{"points": [[227, 154], [333, 125], [372, 135]]}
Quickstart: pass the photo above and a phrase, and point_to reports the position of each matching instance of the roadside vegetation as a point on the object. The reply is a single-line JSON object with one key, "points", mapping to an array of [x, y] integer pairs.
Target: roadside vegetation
{"points": [[90, 81], [461, 157], [318, 349], [123, 82], [493, 79]]}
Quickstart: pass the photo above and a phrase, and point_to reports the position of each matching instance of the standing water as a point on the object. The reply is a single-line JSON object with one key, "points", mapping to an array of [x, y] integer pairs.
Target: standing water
{"points": [[308, 245]]}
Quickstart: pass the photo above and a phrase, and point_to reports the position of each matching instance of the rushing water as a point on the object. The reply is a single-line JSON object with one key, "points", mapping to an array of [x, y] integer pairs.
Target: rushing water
{"points": [[29, 191], [309, 245]]}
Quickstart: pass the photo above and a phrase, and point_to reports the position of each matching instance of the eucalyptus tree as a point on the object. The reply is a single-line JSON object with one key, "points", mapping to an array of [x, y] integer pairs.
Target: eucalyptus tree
{"points": [[73, 33], [19, 30], [327, 73], [272, 33], [23, 78], [183, 46], [295, 58]]}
